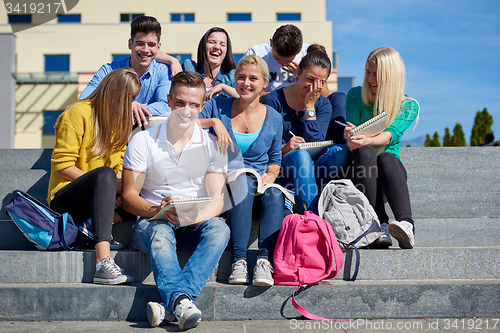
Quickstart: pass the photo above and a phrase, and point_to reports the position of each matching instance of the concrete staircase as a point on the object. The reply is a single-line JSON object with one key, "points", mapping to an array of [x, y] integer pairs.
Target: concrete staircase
{"points": [[454, 270]]}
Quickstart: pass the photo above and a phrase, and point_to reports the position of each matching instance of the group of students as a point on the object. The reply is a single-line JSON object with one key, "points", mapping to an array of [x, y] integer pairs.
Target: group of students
{"points": [[257, 112]]}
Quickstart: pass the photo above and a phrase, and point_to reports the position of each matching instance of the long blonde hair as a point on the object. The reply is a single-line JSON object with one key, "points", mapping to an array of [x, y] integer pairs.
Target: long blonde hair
{"points": [[391, 80], [112, 115]]}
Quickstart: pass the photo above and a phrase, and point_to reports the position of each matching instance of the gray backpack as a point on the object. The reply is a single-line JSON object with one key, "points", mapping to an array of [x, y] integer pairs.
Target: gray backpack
{"points": [[351, 216]]}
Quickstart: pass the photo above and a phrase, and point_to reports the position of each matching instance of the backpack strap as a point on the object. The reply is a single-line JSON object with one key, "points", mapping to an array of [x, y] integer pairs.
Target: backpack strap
{"points": [[351, 246], [306, 313], [63, 237]]}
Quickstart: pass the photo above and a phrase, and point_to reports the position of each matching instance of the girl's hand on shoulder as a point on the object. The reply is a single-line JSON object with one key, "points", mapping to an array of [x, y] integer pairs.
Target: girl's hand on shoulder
{"points": [[223, 137], [212, 92]]}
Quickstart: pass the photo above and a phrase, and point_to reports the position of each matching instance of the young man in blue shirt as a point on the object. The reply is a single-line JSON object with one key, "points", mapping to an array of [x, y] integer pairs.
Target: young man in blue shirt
{"points": [[144, 44]]}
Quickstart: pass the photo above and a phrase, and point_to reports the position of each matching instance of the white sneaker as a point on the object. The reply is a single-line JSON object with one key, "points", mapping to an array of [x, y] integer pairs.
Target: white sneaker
{"points": [[239, 273], [262, 273], [403, 232], [158, 315], [187, 314]]}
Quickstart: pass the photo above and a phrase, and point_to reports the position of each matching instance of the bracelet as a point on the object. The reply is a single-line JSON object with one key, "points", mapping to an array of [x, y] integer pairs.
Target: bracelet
{"points": [[275, 176]]}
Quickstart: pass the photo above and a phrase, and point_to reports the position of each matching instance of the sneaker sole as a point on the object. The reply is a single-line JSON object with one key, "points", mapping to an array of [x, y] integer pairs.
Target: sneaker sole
{"points": [[401, 236], [239, 281], [190, 320], [119, 280], [262, 283], [153, 314]]}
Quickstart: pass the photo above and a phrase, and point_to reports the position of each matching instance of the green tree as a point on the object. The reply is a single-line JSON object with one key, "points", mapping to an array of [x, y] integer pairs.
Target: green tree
{"points": [[482, 126], [428, 141], [458, 138], [446, 137], [435, 140]]}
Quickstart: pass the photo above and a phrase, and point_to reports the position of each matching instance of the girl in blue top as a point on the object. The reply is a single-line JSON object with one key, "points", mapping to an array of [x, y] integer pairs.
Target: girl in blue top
{"points": [[374, 161], [215, 63], [257, 131], [306, 117]]}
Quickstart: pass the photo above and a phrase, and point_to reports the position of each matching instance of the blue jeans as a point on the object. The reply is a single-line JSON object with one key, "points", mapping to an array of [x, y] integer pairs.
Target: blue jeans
{"points": [[161, 240], [239, 218], [305, 176]]}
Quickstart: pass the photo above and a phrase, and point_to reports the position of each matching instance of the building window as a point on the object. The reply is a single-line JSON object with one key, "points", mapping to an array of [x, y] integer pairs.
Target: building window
{"points": [[237, 57], [181, 57], [182, 17], [335, 60], [57, 62], [19, 19], [344, 83], [120, 56], [239, 17], [49, 121], [288, 17], [69, 18], [129, 17]]}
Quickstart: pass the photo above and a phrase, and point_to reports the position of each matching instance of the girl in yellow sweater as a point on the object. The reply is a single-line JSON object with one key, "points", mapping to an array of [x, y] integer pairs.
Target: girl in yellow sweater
{"points": [[91, 138]]}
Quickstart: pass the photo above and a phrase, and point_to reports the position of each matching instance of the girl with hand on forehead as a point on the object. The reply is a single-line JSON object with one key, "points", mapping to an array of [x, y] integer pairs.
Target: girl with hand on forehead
{"points": [[306, 117]]}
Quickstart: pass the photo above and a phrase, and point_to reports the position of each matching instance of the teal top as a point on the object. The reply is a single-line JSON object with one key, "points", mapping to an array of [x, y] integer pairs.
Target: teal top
{"points": [[357, 113], [244, 141]]}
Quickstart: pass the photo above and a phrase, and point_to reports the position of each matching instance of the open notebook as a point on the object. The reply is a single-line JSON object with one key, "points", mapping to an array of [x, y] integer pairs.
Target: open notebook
{"points": [[313, 148], [371, 127]]}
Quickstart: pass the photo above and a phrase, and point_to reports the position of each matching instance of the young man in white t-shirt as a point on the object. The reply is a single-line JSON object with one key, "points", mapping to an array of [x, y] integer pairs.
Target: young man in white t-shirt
{"points": [[282, 54], [177, 159]]}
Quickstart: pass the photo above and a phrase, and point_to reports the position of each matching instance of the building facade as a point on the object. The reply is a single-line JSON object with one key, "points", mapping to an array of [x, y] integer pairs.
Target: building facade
{"points": [[55, 60]]}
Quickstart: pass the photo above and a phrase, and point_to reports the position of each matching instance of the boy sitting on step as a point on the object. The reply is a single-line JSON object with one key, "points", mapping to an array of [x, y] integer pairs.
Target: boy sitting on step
{"points": [[177, 159]]}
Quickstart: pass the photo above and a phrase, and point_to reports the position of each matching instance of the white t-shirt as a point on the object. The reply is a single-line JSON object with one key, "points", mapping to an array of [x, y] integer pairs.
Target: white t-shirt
{"points": [[149, 152], [277, 76]]}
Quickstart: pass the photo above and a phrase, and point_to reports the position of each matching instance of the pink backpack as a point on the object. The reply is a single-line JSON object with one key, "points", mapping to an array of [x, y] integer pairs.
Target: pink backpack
{"points": [[306, 253]]}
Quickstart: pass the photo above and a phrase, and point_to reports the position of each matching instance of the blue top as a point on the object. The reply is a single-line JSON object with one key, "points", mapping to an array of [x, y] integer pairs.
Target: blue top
{"points": [[155, 85], [221, 77], [244, 140], [310, 130], [264, 151]]}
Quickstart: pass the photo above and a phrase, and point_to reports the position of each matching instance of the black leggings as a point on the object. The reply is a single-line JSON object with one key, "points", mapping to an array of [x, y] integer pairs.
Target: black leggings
{"points": [[92, 195], [375, 175]]}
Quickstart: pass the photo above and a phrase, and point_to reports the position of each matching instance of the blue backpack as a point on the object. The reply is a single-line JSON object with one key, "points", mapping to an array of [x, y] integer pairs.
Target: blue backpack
{"points": [[46, 229]]}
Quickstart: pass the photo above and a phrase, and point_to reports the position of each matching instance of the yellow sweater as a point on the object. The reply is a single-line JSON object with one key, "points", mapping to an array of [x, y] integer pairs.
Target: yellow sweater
{"points": [[73, 139]]}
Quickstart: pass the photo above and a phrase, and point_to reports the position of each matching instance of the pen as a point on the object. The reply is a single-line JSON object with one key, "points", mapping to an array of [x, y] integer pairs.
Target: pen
{"points": [[341, 123], [292, 133]]}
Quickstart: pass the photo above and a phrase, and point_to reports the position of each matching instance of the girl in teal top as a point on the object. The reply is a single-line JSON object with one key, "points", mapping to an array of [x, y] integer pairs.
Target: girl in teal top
{"points": [[374, 162]]}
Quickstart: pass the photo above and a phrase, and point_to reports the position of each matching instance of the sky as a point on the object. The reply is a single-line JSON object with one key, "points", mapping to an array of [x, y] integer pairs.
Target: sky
{"points": [[451, 51]]}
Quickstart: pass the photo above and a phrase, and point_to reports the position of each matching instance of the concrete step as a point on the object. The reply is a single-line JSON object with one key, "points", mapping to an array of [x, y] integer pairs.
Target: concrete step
{"points": [[361, 299], [430, 232], [421, 263]]}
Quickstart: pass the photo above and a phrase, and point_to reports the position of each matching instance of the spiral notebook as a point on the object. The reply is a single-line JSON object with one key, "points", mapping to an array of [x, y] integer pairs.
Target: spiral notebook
{"points": [[313, 148], [184, 204], [371, 127]]}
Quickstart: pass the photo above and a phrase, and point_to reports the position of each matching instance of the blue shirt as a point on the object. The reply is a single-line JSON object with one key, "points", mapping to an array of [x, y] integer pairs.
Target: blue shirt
{"points": [[264, 151], [221, 77], [310, 130], [155, 85]]}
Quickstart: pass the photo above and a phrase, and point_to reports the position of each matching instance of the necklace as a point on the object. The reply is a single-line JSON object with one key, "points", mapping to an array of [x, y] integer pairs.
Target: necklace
{"points": [[247, 130], [242, 119]]}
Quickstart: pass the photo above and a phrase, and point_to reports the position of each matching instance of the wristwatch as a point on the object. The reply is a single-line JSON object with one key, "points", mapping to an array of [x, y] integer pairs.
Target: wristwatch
{"points": [[311, 113]]}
